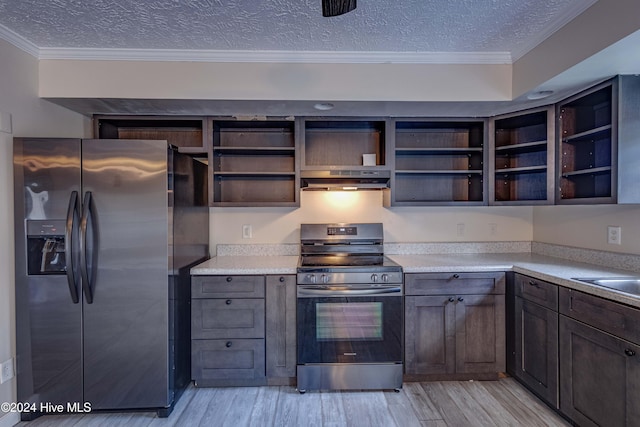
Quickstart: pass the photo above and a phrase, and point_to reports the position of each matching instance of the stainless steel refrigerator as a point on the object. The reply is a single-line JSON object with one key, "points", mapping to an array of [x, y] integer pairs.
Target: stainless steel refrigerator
{"points": [[105, 234]]}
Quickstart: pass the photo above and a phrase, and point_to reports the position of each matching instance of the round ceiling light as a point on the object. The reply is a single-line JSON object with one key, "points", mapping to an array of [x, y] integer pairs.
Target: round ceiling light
{"points": [[540, 94], [323, 106]]}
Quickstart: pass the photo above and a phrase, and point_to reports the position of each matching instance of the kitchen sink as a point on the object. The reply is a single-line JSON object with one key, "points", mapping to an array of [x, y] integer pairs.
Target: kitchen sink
{"points": [[630, 285]]}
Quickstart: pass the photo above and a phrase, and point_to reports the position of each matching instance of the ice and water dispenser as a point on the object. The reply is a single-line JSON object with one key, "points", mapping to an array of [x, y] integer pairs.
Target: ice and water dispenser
{"points": [[46, 247]]}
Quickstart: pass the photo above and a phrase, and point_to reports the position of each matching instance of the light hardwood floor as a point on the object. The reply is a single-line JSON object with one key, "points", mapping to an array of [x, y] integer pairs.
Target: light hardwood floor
{"points": [[428, 404]]}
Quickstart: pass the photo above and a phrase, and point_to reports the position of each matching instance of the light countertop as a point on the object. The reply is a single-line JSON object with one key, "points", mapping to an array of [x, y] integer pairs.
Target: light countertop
{"points": [[556, 270]]}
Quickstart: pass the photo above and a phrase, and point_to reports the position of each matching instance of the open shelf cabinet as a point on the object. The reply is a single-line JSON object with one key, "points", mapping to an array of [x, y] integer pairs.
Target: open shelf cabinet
{"points": [[587, 146], [522, 157], [254, 163], [189, 134], [438, 162], [339, 143]]}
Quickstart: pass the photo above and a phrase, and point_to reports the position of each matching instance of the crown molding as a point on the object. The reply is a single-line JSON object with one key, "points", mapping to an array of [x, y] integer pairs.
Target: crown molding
{"points": [[273, 56], [333, 57], [18, 41]]}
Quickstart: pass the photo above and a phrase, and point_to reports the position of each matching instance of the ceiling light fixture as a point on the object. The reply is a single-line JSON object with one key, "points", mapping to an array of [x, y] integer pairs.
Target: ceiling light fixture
{"points": [[540, 94], [323, 106], [337, 7]]}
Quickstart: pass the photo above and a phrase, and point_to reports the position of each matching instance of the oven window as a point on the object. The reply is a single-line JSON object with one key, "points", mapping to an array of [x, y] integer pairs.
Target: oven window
{"points": [[360, 321]]}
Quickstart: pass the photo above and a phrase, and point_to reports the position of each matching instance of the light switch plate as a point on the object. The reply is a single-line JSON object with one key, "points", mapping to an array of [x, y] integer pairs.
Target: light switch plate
{"points": [[5, 123]]}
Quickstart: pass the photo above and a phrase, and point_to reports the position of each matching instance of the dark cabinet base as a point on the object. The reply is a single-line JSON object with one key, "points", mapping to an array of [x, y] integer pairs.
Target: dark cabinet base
{"points": [[600, 376]]}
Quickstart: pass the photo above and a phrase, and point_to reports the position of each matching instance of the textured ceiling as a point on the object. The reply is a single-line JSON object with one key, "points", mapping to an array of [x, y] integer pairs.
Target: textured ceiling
{"points": [[510, 26]]}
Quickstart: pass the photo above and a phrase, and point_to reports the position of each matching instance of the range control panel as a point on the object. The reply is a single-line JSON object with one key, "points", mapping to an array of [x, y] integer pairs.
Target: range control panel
{"points": [[342, 231]]}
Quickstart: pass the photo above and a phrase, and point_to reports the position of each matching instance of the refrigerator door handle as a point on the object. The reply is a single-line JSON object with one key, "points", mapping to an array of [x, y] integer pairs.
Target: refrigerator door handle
{"points": [[88, 264], [69, 247]]}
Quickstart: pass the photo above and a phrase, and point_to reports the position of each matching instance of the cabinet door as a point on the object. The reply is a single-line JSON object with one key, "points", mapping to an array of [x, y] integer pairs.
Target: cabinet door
{"points": [[232, 362], [536, 347], [281, 326], [429, 335], [600, 376], [480, 333], [227, 318]]}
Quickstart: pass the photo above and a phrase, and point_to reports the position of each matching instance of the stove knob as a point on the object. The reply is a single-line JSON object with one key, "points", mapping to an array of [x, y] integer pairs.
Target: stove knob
{"points": [[312, 278], [385, 277], [324, 278], [374, 278]]}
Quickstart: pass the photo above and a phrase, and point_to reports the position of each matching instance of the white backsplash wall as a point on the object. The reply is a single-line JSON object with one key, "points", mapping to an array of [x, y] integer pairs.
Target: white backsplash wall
{"points": [[406, 224], [586, 226]]}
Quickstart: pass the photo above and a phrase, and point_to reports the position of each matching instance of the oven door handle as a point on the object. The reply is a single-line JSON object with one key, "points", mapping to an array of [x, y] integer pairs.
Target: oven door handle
{"points": [[335, 291]]}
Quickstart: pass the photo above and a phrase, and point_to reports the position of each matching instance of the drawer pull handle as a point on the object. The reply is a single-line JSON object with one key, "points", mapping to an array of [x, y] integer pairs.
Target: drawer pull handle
{"points": [[452, 299], [456, 276], [229, 279], [228, 344], [228, 302], [281, 279], [532, 283], [629, 352], [460, 299]]}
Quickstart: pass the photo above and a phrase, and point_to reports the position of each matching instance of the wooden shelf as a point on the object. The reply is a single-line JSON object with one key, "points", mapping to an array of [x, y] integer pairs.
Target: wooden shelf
{"points": [[592, 171], [524, 147], [443, 150], [526, 169], [439, 172], [589, 134]]}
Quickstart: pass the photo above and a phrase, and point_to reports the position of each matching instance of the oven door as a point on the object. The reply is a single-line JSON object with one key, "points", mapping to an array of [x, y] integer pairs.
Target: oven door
{"points": [[349, 324]]}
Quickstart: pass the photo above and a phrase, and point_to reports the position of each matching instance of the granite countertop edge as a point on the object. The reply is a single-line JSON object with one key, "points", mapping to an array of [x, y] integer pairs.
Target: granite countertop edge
{"points": [[556, 270]]}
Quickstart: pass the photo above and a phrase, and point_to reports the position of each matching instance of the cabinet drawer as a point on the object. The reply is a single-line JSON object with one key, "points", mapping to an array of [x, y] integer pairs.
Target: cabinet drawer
{"points": [[538, 291], [454, 283], [227, 287], [231, 359], [227, 318], [609, 316]]}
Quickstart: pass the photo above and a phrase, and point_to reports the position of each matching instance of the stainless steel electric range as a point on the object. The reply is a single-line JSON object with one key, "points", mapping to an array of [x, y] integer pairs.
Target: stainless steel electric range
{"points": [[349, 309]]}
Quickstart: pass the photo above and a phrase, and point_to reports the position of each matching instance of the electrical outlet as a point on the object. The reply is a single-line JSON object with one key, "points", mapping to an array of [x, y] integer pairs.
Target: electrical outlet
{"points": [[614, 235], [247, 232], [6, 371], [493, 229], [460, 229]]}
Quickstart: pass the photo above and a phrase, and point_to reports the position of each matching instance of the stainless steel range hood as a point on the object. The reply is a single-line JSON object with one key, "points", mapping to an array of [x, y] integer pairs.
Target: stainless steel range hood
{"points": [[344, 180]]}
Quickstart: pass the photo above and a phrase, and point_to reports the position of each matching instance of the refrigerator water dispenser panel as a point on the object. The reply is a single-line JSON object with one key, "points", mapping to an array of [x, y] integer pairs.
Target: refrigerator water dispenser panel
{"points": [[46, 247]]}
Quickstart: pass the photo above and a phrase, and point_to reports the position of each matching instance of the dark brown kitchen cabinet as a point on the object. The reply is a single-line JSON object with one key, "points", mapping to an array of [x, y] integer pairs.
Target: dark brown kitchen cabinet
{"points": [[254, 163], [599, 360], [536, 336], [438, 162], [522, 160], [189, 134], [281, 329], [454, 325], [228, 330], [339, 143], [243, 330], [598, 132]]}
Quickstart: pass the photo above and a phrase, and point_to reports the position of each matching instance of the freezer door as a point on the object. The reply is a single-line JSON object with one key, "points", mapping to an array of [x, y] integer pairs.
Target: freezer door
{"points": [[48, 322], [125, 241]]}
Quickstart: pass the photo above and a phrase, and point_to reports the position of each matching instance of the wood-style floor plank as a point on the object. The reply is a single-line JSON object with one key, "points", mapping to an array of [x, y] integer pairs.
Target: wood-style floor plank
{"points": [[429, 404], [333, 414]]}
